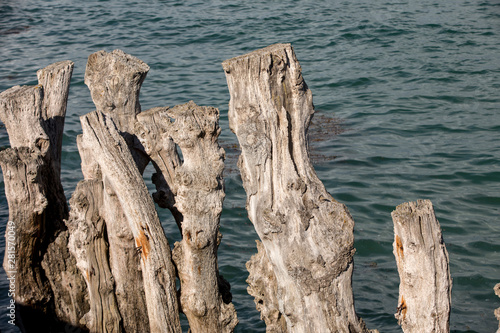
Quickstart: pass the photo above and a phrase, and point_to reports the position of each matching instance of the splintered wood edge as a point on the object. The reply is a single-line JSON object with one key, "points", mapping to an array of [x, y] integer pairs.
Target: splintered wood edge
{"points": [[257, 53]]}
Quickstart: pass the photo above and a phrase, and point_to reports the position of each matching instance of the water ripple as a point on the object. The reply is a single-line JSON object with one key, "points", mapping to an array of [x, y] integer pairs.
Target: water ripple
{"points": [[415, 82]]}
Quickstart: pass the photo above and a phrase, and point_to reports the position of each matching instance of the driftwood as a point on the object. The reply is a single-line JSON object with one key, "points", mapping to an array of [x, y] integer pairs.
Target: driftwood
{"points": [[71, 297], [112, 270], [119, 169], [114, 80], [89, 246], [33, 116], [422, 259], [106, 266], [307, 235], [196, 188]]}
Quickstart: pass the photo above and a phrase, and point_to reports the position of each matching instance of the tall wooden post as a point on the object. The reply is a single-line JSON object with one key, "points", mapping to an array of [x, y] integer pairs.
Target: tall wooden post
{"points": [[307, 235]]}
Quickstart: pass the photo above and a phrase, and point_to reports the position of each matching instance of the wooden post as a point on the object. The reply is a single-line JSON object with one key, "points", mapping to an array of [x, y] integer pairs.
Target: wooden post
{"points": [[89, 246], [151, 130], [114, 80], [196, 188], [55, 80], [34, 118], [119, 170], [71, 296], [307, 235], [423, 266]]}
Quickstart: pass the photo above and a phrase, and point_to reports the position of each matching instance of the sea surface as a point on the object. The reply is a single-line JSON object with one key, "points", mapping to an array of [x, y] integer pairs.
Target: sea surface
{"points": [[411, 90]]}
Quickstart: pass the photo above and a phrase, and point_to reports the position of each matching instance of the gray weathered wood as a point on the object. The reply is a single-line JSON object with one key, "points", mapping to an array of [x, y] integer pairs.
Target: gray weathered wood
{"points": [[55, 80], [114, 80], [307, 235], [423, 266], [34, 119], [196, 188], [263, 286], [69, 289], [88, 244], [21, 113], [23, 169], [151, 130], [120, 172], [110, 253], [125, 265]]}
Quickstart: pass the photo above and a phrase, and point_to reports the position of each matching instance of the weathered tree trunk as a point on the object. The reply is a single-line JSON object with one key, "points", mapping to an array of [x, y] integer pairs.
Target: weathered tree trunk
{"points": [[263, 286], [119, 170], [114, 80], [152, 132], [67, 284], [423, 266], [125, 265], [196, 188], [34, 118], [89, 246], [71, 296], [55, 80], [307, 235]]}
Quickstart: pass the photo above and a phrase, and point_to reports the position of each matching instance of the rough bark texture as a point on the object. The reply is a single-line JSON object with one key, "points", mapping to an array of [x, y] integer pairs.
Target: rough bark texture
{"points": [[307, 235], [125, 265], [152, 131], [23, 168], [68, 285], [263, 286], [55, 80], [34, 118], [193, 192], [88, 245], [114, 80], [423, 266], [195, 187], [119, 170]]}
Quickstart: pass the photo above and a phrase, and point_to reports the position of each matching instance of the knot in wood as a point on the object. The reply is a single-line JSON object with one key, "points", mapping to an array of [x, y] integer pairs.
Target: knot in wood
{"points": [[195, 304], [272, 221], [297, 185], [197, 239], [185, 178]]}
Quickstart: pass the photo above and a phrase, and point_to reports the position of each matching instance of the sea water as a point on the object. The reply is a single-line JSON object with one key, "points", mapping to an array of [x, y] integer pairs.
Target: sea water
{"points": [[415, 85]]}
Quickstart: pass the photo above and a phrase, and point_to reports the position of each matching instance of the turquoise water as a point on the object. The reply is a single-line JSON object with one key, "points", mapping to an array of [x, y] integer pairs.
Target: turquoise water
{"points": [[416, 84]]}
